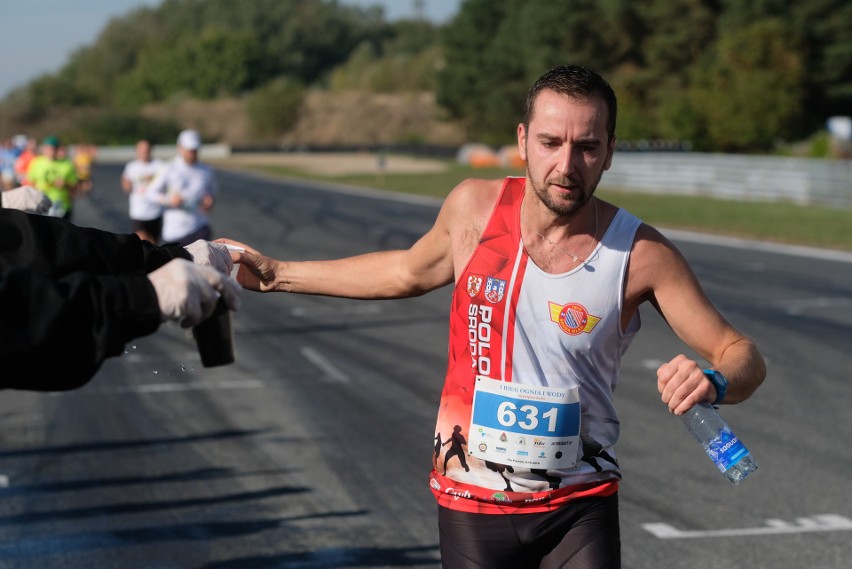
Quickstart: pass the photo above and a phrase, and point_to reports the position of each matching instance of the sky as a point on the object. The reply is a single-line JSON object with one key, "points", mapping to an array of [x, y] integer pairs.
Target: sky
{"points": [[37, 36]]}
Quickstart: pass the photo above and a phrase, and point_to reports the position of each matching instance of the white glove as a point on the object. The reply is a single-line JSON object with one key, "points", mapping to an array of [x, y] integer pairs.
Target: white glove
{"points": [[28, 199], [209, 254], [188, 293]]}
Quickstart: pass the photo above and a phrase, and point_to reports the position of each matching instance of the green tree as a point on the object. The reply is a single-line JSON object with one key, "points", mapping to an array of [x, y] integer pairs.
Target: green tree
{"points": [[823, 34], [405, 61], [274, 108], [749, 94], [676, 34], [495, 50], [207, 47]]}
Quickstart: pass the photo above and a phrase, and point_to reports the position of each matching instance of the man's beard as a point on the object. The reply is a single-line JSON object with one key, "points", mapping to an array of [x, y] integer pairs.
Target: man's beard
{"points": [[562, 208]]}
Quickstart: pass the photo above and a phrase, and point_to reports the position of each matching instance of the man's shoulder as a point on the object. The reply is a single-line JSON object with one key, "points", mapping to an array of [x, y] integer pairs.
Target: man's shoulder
{"points": [[479, 188], [137, 163], [474, 199], [38, 163]]}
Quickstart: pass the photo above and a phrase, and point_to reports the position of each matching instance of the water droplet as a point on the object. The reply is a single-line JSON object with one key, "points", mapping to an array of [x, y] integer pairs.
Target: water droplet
{"points": [[134, 346], [156, 372], [183, 367]]}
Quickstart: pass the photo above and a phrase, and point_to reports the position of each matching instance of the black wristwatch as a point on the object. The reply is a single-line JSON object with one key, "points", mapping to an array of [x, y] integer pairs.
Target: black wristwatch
{"points": [[719, 382]]}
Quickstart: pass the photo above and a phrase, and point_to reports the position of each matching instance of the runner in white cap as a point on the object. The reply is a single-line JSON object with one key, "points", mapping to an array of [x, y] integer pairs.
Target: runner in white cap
{"points": [[187, 191]]}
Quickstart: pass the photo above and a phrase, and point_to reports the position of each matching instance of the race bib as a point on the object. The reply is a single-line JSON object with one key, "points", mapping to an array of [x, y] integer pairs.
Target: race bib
{"points": [[525, 425]]}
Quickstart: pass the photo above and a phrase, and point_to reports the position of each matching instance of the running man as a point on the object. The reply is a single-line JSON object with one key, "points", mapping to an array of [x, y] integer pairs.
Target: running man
{"points": [[187, 190], [548, 281], [146, 214]]}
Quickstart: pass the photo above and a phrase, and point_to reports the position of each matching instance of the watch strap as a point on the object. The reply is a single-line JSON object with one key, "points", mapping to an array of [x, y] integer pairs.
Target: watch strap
{"points": [[719, 382]]}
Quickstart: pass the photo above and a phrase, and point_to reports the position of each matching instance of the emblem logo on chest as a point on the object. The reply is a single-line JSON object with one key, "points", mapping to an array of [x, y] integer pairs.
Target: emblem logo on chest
{"points": [[494, 289], [474, 284], [573, 318]]}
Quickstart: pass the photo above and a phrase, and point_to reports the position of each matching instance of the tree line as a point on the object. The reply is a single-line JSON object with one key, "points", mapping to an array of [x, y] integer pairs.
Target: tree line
{"points": [[728, 75]]}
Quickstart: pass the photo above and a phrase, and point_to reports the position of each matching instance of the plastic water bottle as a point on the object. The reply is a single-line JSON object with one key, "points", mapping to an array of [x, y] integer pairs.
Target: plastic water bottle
{"points": [[720, 443]]}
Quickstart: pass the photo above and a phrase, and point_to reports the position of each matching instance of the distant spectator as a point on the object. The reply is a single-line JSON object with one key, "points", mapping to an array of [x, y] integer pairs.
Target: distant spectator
{"points": [[187, 191], [146, 214]]}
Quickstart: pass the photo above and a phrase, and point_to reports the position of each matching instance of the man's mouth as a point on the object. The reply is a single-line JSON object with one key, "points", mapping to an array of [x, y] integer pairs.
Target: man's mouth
{"points": [[566, 186]]}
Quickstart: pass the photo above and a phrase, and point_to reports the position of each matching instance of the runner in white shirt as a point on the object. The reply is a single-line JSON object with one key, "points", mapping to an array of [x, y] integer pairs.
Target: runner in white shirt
{"points": [[146, 215], [187, 190]]}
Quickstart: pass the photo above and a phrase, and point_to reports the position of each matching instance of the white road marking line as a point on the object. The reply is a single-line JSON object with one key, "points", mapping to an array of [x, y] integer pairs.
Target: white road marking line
{"points": [[652, 364], [332, 374], [302, 311], [818, 523], [186, 386], [738, 243], [803, 306]]}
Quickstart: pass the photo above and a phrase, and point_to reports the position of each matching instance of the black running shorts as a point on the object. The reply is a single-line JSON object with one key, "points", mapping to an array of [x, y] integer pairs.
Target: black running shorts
{"points": [[583, 534]]}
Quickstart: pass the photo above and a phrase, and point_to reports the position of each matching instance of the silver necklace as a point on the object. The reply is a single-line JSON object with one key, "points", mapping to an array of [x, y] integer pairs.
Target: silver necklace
{"points": [[594, 237]]}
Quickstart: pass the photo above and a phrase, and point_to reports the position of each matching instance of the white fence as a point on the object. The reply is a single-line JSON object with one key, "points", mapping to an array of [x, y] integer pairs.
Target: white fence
{"points": [[752, 178], [121, 154]]}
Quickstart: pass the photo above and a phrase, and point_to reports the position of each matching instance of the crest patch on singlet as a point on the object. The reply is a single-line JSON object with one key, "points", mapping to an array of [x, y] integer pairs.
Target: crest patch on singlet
{"points": [[494, 289], [474, 284]]}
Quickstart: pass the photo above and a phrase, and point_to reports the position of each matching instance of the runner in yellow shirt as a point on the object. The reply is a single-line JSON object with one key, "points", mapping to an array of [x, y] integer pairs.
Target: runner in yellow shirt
{"points": [[56, 178]]}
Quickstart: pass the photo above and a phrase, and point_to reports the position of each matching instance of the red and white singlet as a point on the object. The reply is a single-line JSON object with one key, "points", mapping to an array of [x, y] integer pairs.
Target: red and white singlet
{"points": [[526, 420]]}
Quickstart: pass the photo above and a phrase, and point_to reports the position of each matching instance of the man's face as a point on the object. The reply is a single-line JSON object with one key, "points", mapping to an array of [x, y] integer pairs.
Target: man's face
{"points": [[48, 151], [189, 156], [566, 149], [143, 151]]}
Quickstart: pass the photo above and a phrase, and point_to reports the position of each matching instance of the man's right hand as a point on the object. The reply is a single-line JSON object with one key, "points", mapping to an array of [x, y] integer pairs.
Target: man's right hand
{"points": [[256, 271], [187, 293]]}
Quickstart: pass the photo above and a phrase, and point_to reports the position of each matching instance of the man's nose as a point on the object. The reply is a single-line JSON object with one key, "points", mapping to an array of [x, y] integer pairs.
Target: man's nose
{"points": [[565, 160]]}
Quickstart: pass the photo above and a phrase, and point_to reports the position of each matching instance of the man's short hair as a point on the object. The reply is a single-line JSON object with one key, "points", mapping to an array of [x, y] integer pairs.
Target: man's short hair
{"points": [[574, 81]]}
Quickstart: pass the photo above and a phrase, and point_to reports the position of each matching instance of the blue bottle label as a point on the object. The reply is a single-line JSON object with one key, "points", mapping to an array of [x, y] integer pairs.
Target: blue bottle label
{"points": [[726, 450]]}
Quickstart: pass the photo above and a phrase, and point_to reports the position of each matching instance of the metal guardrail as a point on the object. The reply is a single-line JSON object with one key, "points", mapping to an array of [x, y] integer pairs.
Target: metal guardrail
{"points": [[727, 176], [123, 154]]}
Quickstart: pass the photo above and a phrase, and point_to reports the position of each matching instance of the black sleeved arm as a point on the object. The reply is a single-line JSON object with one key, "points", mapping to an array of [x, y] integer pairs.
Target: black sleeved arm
{"points": [[56, 248], [70, 298]]}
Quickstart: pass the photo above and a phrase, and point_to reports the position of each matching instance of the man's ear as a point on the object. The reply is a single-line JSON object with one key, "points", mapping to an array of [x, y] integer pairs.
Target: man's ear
{"points": [[522, 141]]}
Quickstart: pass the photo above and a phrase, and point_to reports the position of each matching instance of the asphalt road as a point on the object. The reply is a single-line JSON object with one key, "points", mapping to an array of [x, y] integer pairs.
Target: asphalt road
{"points": [[312, 450]]}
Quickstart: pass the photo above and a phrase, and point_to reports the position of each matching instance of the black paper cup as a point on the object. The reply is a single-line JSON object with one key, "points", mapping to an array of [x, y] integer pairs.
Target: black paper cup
{"points": [[215, 338]]}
